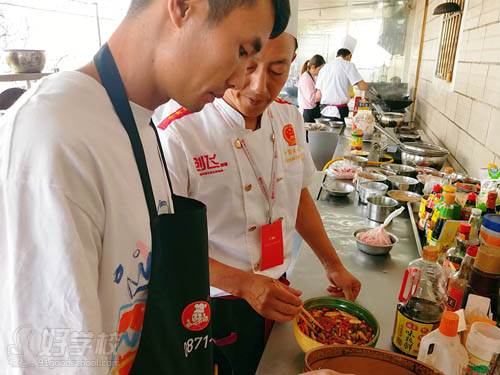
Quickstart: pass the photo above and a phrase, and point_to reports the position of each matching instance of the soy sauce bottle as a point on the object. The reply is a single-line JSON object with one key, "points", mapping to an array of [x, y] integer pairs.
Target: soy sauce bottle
{"points": [[420, 311]]}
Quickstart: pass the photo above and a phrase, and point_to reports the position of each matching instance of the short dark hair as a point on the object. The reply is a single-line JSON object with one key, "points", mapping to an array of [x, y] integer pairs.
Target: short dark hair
{"points": [[344, 52], [220, 9]]}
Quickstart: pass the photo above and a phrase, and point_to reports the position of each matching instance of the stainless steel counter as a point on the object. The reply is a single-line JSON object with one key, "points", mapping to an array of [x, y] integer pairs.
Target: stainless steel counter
{"points": [[380, 276]]}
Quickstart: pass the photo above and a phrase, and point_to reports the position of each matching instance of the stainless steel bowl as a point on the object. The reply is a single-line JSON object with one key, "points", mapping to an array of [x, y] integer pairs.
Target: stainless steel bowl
{"points": [[369, 177], [372, 249], [25, 60], [402, 170], [322, 120], [419, 154], [379, 170], [371, 189], [403, 183], [392, 118], [336, 124], [337, 188], [380, 207], [360, 161], [403, 197]]}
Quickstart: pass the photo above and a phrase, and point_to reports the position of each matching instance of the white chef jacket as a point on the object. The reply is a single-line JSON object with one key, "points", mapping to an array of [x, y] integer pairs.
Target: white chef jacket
{"points": [[334, 80], [206, 165]]}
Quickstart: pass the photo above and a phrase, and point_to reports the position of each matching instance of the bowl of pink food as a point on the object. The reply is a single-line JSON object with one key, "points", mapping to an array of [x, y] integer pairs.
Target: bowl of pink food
{"points": [[375, 241]]}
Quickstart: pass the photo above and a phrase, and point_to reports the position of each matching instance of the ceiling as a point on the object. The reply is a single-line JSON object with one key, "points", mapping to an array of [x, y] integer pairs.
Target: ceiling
{"points": [[322, 4]]}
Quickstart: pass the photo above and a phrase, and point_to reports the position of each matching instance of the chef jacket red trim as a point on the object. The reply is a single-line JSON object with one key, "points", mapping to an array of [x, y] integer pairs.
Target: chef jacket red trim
{"points": [[282, 101], [181, 112]]}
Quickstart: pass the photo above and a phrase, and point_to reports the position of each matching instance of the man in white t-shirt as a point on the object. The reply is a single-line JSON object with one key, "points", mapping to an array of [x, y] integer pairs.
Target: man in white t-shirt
{"points": [[75, 233], [333, 83]]}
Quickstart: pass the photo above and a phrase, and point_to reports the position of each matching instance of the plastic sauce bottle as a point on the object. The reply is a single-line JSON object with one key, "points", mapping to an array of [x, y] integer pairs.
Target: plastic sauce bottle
{"points": [[453, 257], [442, 348], [482, 343], [420, 311], [446, 211], [357, 139], [427, 206], [460, 280]]}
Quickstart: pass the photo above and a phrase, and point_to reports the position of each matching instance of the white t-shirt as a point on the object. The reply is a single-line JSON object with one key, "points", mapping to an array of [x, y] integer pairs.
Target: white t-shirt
{"points": [[205, 164], [74, 229], [334, 80]]}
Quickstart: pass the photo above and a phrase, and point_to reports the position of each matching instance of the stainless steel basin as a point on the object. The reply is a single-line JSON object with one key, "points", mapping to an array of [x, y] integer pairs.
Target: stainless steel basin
{"points": [[322, 145]]}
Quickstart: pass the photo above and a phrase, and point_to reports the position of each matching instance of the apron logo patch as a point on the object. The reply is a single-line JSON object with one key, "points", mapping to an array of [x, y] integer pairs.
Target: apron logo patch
{"points": [[196, 316], [289, 135], [208, 164]]}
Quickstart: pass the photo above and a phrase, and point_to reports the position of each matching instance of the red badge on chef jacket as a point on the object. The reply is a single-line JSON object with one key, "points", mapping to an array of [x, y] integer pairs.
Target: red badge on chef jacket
{"points": [[289, 135], [271, 237], [196, 316]]}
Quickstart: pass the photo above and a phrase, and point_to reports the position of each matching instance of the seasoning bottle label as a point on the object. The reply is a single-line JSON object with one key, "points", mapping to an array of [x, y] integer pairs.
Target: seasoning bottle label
{"points": [[454, 301], [435, 216], [408, 334], [477, 366]]}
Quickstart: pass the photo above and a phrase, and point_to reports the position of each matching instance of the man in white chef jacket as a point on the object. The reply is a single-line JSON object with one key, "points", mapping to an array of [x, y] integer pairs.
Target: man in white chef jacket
{"points": [[335, 79], [228, 156]]}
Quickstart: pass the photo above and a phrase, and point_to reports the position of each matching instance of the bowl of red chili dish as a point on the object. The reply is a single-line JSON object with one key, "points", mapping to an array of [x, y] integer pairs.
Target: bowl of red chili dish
{"points": [[344, 323]]}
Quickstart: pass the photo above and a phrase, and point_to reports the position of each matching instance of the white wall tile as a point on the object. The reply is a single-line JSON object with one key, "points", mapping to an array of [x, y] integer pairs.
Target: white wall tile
{"points": [[479, 121], [462, 77], [462, 114], [477, 80], [439, 126], [491, 46], [490, 12], [451, 105], [475, 44], [492, 87], [451, 139], [493, 138], [465, 148]]}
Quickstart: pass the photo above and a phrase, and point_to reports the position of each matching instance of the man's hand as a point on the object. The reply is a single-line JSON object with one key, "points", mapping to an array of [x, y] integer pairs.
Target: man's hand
{"points": [[277, 302], [344, 284]]}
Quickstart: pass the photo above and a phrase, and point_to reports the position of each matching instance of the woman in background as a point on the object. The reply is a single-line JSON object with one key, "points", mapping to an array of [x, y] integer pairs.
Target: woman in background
{"points": [[308, 96]]}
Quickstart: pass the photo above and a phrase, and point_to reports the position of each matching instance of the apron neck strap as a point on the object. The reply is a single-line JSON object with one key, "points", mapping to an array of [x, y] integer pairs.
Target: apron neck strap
{"points": [[112, 82], [162, 156]]}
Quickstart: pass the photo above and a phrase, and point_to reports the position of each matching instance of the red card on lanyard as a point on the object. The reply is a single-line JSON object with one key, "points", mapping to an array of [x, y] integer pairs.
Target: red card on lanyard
{"points": [[271, 238]]}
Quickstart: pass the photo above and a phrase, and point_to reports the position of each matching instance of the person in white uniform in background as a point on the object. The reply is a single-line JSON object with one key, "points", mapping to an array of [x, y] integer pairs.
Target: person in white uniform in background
{"points": [[75, 231], [245, 156], [333, 84]]}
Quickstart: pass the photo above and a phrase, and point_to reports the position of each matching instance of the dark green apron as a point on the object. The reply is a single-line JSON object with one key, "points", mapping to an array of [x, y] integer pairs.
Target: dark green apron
{"points": [[176, 334]]}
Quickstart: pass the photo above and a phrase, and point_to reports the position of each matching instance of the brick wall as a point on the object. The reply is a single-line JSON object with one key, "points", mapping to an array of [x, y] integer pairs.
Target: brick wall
{"points": [[463, 116]]}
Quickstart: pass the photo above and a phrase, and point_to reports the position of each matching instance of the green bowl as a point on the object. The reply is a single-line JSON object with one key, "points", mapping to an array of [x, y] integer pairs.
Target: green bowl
{"points": [[306, 343]]}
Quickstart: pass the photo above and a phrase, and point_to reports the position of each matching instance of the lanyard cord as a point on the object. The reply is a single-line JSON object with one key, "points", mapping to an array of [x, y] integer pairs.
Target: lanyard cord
{"points": [[268, 192]]}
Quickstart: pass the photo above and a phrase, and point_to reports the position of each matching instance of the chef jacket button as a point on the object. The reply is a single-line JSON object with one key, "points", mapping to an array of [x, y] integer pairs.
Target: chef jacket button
{"points": [[237, 143], [248, 187], [279, 179], [252, 228]]}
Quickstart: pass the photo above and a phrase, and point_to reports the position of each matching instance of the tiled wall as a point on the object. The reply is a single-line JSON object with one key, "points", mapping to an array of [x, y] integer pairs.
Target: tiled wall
{"points": [[464, 116]]}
